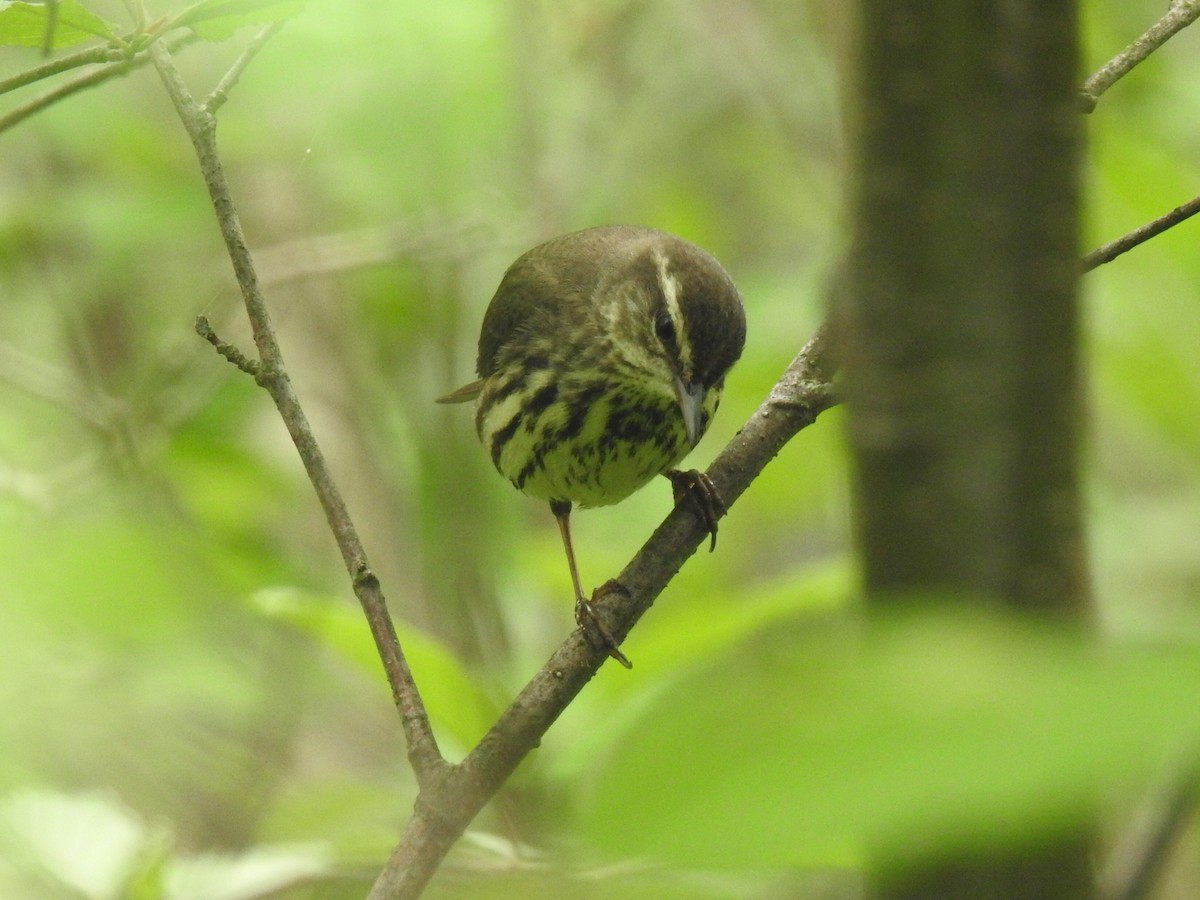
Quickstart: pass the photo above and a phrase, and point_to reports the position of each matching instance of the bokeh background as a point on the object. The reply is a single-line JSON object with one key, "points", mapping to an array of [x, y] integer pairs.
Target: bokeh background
{"points": [[189, 702]]}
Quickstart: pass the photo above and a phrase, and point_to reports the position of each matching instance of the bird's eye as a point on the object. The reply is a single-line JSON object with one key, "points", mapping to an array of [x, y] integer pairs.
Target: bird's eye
{"points": [[665, 329]]}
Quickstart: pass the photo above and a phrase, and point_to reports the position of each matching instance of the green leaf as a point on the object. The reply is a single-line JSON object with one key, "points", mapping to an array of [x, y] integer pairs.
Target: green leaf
{"points": [[713, 629], [82, 843], [925, 733], [25, 24], [456, 704], [260, 871], [216, 20]]}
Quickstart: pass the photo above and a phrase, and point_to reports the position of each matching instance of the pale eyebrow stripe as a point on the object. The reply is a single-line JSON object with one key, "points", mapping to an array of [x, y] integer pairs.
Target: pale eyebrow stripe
{"points": [[670, 289]]}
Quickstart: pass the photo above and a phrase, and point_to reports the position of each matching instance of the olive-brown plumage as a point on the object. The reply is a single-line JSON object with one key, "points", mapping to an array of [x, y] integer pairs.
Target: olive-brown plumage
{"points": [[601, 362]]}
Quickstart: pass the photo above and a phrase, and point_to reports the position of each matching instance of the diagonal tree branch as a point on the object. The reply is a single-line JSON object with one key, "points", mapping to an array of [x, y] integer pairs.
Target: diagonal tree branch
{"points": [[445, 807], [1181, 14], [115, 64], [87, 57], [270, 373], [221, 92], [1110, 251], [450, 796]]}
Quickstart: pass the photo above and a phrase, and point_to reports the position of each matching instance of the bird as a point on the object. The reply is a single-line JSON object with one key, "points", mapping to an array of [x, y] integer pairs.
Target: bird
{"points": [[602, 358]]}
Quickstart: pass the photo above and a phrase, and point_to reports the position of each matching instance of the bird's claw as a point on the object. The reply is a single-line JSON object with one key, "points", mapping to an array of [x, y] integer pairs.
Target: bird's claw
{"points": [[591, 626], [697, 485]]}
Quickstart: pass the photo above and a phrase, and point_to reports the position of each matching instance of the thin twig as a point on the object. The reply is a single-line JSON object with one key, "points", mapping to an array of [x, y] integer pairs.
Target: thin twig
{"points": [[74, 86], [227, 350], [445, 808], [1113, 249], [88, 57], [270, 372], [82, 82], [1181, 14], [221, 92]]}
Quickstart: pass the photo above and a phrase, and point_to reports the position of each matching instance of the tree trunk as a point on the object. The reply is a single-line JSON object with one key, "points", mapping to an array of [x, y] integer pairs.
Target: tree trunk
{"points": [[958, 334]]}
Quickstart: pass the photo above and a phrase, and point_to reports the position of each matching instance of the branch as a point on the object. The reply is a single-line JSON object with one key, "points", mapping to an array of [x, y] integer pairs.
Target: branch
{"points": [[450, 796], [1113, 249], [445, 807], [1181, 14], [40, 102], [123, 65], [227, 350], [270, 373], [88, 57], [221, 92]]}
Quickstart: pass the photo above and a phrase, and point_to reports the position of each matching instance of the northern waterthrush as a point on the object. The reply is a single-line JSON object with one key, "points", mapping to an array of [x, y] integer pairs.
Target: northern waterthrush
{"points": [[601, 362]]}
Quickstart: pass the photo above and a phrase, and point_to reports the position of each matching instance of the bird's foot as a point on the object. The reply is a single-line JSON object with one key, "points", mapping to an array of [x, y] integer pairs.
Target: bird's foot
{"points": [[700, 488], [595, 630]]}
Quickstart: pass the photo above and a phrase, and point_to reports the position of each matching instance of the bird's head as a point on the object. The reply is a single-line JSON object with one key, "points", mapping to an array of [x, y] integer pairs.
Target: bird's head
{"points": [[676, 320]]}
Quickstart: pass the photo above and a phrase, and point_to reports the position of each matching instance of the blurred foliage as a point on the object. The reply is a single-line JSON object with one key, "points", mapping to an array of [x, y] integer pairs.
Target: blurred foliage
{"points": [[190, 705]]}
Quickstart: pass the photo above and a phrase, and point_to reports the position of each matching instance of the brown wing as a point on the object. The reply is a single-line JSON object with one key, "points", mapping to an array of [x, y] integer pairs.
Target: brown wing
{"points": [[463, 394], [538, 289], [554, 280]]}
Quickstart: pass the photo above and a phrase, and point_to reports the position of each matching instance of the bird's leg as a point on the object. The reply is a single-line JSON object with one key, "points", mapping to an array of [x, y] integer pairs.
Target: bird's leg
{"points": [[699, 487], [562, 513], [585, 614]]}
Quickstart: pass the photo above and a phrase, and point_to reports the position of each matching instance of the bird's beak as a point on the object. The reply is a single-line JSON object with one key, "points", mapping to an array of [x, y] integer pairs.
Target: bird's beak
{"points": [[691, 404]]}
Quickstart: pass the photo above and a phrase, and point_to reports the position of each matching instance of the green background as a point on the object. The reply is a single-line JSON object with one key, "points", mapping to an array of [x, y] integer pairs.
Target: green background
{"points": [[190, 705]]}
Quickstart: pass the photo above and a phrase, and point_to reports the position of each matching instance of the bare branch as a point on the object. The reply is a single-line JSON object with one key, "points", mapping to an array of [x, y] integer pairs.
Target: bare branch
{"points": [[1113, 249], [451, 796], [446, 807], [74, 86], [124, 65], [227, 350], [270, 372], [88, 57], [1181, 14], [221, 92]]}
